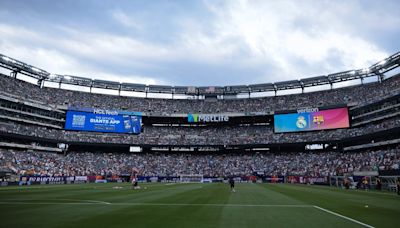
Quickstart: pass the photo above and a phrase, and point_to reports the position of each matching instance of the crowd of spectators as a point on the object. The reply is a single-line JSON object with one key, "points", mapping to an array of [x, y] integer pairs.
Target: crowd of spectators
{"points": [[210, 135], [217, 165], [222, 135], [360, 94], [317, 164]]}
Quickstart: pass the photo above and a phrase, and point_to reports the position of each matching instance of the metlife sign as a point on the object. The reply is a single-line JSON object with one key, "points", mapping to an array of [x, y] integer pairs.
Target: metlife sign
{"points": [[197, 118]]}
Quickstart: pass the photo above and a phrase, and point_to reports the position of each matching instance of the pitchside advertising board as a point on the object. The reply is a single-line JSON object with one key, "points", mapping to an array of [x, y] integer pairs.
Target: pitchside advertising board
{"points": [[312, 119], [28, 180], [102, 120]]}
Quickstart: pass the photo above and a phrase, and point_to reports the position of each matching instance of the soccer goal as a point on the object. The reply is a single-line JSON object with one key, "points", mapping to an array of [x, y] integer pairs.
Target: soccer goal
{"points": [[191, 178]]}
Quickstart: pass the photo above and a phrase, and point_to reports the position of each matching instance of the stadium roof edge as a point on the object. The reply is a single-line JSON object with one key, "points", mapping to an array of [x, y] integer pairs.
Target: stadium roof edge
{"points": [[378, 69]]}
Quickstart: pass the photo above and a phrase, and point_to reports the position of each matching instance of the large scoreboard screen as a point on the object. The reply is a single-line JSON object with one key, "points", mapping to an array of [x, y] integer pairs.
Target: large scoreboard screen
{"points": [[310, 121], [103, 121]]}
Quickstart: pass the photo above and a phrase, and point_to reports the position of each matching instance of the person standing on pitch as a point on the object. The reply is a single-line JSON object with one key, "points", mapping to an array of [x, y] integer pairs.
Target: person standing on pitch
{"points": [[232, 184], [134, 178]]}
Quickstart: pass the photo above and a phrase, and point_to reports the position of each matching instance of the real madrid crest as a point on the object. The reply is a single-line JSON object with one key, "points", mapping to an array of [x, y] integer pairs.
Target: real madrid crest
{"points": [[301, 122]]}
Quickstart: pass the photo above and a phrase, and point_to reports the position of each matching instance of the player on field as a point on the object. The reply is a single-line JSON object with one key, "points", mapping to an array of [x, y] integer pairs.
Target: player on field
{"points": [[134, 178], [232, 184]]}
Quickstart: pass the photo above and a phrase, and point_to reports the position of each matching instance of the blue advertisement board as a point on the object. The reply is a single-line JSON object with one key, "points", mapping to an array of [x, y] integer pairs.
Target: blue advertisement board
{"points": [[86, 121]]}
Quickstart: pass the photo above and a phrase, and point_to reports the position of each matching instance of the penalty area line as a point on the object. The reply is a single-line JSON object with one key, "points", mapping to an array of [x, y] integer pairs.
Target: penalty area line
{"points": [[344, 217]]}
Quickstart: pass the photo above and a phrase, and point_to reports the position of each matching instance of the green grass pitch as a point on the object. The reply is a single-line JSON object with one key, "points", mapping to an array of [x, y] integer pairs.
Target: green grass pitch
{"points": [[195, 205]]}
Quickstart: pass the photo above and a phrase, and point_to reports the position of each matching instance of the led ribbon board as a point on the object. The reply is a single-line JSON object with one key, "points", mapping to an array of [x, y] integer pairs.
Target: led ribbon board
{"points": [[310, 121], [110, 122]]}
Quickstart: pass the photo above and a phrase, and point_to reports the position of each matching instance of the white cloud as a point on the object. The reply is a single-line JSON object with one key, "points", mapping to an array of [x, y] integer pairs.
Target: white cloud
{"points": [[297, 37], [54, 61], [108, 46], [194, 43], [125, 20], [128, 78], [95, 46], [283, 39]]}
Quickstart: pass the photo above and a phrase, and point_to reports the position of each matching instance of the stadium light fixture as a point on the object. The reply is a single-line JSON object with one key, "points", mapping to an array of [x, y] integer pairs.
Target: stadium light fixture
{"points": [[382, 62], [8, 59], [353, 72], [366, 70], [67, 77]]}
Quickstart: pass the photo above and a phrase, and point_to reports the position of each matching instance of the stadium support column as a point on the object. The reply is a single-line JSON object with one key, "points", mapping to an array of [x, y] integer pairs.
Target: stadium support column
{"points": [[91, 86], [380, 77], [14, 74], [66, 149], [40, 83]]}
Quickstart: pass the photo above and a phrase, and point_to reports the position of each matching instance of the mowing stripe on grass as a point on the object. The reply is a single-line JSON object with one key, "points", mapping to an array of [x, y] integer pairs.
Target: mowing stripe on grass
{"points": [[342, 216]]}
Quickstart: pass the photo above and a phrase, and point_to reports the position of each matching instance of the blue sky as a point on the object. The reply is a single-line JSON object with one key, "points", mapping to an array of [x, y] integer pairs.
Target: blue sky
{"points": [[199, 43]]}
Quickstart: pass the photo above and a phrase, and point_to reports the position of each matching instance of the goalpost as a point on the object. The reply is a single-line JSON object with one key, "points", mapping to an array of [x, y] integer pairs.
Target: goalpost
{"points": [[191, 178]]}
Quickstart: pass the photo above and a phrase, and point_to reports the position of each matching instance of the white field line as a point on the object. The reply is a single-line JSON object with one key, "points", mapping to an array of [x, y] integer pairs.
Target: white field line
{"points": [[51, 203], [89, 202], [96, 201], [344, 217], [212, 205], [84, 186], [73, 201]]}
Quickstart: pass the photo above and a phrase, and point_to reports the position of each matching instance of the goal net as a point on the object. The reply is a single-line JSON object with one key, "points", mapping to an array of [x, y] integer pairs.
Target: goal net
{"points": [[191, 178]]}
